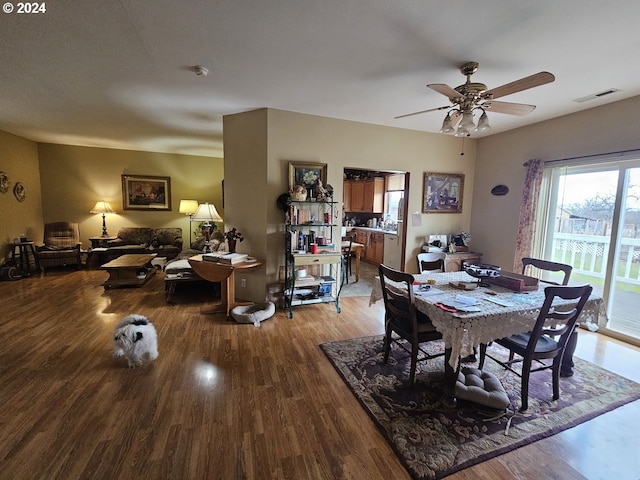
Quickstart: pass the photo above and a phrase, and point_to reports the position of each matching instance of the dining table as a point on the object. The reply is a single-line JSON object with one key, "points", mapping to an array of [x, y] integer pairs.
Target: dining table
{"points": [[468, 315], [357, 249]]}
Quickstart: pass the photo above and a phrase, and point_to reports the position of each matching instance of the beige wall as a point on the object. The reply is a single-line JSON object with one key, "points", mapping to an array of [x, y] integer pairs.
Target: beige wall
{"points": [[19, 161], [247, 194], [289, 136], [74, 178], [500, 159]]}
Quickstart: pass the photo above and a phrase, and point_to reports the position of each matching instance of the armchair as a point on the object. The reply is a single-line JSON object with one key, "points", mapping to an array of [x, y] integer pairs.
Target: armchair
{"points": [[61, 245]]}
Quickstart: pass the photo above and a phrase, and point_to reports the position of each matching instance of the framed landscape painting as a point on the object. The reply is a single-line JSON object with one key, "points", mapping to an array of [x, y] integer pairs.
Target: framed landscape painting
{"points": [[146, 192], [442, 193], [307, 174]]}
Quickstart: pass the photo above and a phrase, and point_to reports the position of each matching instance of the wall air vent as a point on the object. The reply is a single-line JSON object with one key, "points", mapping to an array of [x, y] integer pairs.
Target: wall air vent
{"points": [[593, 96]]}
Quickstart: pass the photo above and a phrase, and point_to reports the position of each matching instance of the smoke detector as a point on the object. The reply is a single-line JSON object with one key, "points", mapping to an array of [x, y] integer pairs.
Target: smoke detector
{"points": [[201, 71]]}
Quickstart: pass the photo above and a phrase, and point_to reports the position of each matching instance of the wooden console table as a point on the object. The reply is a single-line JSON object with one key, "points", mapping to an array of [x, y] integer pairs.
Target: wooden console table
{"points": [[131, 270]]}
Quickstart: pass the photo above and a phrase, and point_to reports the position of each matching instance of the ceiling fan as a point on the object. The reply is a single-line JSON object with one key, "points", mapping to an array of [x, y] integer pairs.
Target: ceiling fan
{"points": [[473, 96]]}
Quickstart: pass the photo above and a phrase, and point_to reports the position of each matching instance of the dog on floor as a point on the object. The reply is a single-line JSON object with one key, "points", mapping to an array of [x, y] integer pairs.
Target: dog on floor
{"points": [[135, 338]]}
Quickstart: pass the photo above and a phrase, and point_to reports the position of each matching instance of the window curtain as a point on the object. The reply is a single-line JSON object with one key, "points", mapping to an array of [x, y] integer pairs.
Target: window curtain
{"points": [[528, 206]]}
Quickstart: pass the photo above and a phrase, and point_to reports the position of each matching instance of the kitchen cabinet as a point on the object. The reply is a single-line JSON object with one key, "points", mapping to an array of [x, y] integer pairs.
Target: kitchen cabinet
{"points": [[365, 196], [376, 247], [373, 251], [346, 196], [362, 237], [374, 195]]}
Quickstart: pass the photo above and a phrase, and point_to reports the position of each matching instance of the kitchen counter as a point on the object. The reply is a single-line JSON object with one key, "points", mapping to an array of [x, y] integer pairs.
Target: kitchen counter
{"points": [[378, 230]]}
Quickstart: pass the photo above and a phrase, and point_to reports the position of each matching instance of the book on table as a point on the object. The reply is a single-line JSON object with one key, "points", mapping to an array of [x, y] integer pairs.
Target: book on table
{"points": [[225, 258]]}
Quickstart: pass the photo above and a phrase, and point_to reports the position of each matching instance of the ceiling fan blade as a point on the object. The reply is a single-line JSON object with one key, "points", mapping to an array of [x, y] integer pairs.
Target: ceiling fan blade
{"points": [[445, 90], [423, 111], [525, 83], [509, 108]]}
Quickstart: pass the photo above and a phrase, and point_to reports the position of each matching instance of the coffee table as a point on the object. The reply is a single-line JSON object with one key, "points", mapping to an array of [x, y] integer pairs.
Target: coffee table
{"points": [[131, 270]]}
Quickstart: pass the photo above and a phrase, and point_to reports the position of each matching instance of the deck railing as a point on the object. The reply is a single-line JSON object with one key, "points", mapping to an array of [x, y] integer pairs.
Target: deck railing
{"points": [[588, 255]]}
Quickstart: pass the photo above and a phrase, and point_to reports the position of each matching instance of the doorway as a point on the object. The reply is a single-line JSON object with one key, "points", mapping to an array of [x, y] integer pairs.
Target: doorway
{"points": [[596, 229], [389, 219]]}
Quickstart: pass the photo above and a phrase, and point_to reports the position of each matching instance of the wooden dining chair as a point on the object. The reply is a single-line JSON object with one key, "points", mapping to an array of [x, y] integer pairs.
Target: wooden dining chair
{"points": [[431, 262], [347, 255], [542, 343], [547, 266], [402, 318]]}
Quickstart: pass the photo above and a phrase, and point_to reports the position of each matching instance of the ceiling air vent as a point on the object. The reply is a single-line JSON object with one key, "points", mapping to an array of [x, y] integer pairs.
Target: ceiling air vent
{"points": [[593, 96]]}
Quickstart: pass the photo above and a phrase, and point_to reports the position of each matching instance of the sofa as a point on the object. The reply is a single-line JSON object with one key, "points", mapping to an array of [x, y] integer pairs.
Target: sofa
{"points": [[165, 242]]}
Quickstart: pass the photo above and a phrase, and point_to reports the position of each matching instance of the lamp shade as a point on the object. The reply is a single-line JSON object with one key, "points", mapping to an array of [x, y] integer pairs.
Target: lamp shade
{"points": [[483, 123], [188, 207], [207, 213], [447, 125], [102, 207]]}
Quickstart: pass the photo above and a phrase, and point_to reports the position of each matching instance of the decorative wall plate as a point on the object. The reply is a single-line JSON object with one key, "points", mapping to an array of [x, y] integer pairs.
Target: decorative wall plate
{"points": [[4, 183], [500, 190], [20, 192]]}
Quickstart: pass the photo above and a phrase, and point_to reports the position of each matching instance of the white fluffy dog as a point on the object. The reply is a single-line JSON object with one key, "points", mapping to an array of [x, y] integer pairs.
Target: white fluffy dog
{"points": [[136, 339]]}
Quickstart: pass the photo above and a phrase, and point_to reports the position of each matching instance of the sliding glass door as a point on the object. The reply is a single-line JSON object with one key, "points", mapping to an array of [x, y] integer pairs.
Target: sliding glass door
{"points": [[593, 224]]}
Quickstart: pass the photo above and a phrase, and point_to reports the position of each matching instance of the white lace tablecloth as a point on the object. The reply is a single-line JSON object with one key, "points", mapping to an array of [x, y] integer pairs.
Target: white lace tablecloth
{"points": [[463, 331]]}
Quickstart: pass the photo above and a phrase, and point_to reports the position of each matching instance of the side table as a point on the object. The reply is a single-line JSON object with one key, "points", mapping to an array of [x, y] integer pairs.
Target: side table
{"points": [[96, 257], [23, 263], [100, 241]]}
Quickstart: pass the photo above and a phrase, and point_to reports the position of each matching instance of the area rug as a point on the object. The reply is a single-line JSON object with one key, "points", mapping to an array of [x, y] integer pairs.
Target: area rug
{"points": [[433, 441]]}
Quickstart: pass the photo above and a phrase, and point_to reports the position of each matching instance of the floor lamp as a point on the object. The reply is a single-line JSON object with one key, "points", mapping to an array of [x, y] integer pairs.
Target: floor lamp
{"points": [[188, 207]]}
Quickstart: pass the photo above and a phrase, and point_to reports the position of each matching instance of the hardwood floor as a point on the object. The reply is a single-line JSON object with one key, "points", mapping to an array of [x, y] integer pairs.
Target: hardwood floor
{"points": [[228, 401]]}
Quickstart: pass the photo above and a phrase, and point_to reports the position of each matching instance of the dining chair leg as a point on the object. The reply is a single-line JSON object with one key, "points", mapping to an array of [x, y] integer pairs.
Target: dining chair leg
{"points": [[387, 345], [557, 363], [524, 387], [483, 353], [414, 362]]}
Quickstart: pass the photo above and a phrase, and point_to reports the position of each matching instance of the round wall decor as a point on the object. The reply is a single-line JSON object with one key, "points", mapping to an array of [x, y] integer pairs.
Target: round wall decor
{"points": [[20, 192], [4, 183], [500, 190]]}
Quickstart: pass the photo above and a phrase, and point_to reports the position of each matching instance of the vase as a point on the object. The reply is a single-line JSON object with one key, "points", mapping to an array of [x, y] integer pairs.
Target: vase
{"points": [[232, 246]]}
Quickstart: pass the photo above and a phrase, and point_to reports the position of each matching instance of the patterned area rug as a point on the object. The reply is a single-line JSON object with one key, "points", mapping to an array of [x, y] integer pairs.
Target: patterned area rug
{"points": [[433, 441]]}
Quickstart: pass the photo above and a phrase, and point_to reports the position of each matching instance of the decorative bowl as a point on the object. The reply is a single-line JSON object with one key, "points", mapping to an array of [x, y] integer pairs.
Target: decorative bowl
{"points": [[482, 271]]}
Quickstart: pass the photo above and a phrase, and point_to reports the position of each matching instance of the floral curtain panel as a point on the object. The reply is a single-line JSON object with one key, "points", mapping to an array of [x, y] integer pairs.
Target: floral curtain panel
{"points": [[527, 224]]}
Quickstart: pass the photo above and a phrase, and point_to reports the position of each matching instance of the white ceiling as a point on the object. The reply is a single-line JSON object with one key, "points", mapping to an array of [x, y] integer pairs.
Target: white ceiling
{"points": [[116, 73]]}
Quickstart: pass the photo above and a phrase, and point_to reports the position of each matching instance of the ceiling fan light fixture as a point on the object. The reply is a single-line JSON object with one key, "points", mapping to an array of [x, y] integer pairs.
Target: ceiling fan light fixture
{"points": [[447, 125], [483, 123], [467, 121], [463, 132]]}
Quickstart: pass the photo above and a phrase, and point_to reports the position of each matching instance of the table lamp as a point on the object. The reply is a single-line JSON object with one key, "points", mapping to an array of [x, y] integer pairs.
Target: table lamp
{"points": [[103, 208], [207, 213]]}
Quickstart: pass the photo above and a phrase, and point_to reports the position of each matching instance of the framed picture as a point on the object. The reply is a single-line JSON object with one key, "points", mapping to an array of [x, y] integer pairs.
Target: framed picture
{"points": [[307, 174], [442, 193], [146, 192]]}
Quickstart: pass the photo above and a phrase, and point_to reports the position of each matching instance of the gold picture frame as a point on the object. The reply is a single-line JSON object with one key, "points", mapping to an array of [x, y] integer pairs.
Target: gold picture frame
{"points": [[146, 192], [442, 192], [307, 174]]}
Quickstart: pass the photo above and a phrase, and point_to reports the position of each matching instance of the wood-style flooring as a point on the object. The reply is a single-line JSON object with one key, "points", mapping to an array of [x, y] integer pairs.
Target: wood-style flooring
{"points": [[228, 401]]}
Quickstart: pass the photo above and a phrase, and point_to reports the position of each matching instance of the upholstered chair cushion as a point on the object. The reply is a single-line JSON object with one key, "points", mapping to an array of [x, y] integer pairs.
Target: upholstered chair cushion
{"points": [[481, 387]]}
